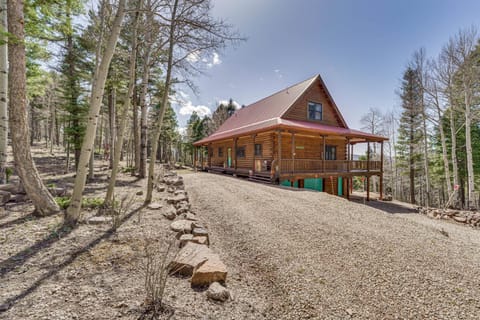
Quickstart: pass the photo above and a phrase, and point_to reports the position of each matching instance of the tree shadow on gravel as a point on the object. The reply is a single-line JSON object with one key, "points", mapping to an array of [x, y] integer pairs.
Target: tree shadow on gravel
{"points": [[19, 220], [385, 206], [24, 255]]}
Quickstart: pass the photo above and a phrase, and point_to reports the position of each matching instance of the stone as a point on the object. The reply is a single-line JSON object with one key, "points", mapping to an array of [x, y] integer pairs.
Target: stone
{"points": [[170, 213], [460, 219], [184, 226], [179, 191], [200, 232], [212, 270], [218, 292], [183, 203], [190, 216], [161, 188], [174, 181], [4, 197], [155, 206], [177, 199], [182, 207], [197, 224], [139, 193], [99, 220], [184, 238], [190, 257], [171, 189], [200, 240]]}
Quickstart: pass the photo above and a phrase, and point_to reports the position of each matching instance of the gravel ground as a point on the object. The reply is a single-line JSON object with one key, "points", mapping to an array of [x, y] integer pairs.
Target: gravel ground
{"points": [[308, 255]]}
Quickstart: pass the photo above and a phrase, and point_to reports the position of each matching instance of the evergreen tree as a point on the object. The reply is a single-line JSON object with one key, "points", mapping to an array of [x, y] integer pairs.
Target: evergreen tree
{"points": [[410, 133]]}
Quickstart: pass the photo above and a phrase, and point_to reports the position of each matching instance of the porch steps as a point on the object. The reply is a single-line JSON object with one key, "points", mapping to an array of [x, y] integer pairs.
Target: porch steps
{"points": [[261, 179]]}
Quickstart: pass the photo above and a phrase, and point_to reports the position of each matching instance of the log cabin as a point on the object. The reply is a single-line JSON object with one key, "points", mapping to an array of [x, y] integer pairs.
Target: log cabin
{"points": [[296, 137]]}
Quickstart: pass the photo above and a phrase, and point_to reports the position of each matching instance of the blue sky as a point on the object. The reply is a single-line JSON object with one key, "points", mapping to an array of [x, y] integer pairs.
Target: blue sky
{"points": [[360, 48]]}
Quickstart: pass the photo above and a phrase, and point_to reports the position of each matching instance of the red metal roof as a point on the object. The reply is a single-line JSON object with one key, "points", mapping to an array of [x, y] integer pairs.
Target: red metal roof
{"points": [[267, 114]]}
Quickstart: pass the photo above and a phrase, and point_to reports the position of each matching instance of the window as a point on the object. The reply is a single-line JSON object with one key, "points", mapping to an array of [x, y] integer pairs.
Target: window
{"points": [[314, 111], [241, 152], [258, 150], [220, 152], [330, 153]]}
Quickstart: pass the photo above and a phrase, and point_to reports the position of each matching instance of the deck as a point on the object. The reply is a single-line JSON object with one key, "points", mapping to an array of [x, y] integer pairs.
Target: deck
{"points": [[304, 168]]}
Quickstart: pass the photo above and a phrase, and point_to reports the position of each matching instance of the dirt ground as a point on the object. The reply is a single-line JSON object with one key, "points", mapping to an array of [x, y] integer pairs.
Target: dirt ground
{"points": [[290, 255]]}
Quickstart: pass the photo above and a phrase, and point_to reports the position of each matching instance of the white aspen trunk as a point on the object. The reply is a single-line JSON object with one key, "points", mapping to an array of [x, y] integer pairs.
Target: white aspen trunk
{"points": [[425, 158], [453, 135], [98, 87], [163, 106], [446, 166], [3, 93], [26, 169], [468, 146], [126, 107], [142, 172]]}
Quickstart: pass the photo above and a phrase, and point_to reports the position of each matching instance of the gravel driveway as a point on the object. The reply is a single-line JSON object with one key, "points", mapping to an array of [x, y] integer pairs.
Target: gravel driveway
{"points": [[308, 255]]}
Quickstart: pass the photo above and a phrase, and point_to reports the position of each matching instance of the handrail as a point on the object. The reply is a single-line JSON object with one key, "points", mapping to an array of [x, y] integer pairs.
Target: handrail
{"points": [[314, 165]]}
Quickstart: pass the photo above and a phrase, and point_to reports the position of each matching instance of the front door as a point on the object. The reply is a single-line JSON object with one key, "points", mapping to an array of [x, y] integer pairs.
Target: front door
{"points": [[229, 157]]}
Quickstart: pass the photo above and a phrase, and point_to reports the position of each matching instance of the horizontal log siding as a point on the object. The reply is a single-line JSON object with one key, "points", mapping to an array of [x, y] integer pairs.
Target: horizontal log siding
{"points": [[265, 139], [221, 161], [299, 111], [309, 147]]}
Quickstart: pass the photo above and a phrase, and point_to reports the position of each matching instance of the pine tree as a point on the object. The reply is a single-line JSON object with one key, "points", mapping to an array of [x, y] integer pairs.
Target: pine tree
{"points": [[410, 134]]}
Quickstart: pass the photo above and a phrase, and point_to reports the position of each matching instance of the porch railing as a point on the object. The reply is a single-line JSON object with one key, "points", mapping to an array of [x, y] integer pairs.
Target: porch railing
{"points": [[309, 165]]}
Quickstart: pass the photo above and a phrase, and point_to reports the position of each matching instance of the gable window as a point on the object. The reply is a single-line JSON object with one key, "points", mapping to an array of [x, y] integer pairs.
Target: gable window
{"points": [[314, 111], [330, 153], [220, 152], [258, 150], [241, 152]]}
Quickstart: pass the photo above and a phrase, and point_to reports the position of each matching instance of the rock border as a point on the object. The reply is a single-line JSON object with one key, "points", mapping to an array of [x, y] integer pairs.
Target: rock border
{"points": [[471, 218], [195, 259]]}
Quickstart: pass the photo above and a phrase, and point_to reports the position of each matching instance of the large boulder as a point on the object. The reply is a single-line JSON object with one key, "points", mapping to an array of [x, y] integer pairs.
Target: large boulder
{"points": [[190, 257], [184, 226], [212, 270]]}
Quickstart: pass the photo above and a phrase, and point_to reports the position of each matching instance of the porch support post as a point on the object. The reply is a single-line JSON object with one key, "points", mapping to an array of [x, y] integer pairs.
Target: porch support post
{"points": [[368, 188], [348, 154], [194, 158], [323, 155], [279, 134], [293, 152], [235, 154], [368, 156], [253, 164], [351, 178], [347, 187], [202, 152], [381, 170]]}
